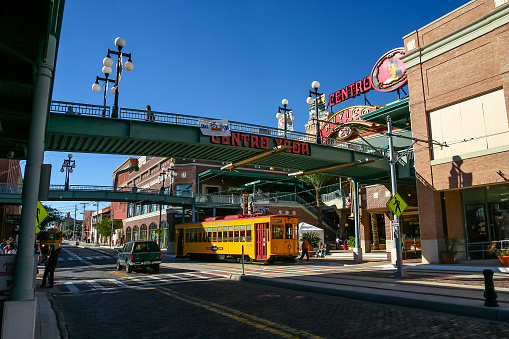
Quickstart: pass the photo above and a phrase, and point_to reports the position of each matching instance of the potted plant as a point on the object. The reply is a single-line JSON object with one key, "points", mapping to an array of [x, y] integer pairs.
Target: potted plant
{"points": [[312, 238], [450, 250], [502, 254]]}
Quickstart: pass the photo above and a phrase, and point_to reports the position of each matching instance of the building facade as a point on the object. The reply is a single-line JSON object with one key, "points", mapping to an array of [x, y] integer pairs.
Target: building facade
{"points": [[458, 80]]}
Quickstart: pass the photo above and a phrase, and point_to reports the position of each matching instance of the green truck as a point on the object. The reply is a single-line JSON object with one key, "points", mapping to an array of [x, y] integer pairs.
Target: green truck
{"points": [[139, 254]]}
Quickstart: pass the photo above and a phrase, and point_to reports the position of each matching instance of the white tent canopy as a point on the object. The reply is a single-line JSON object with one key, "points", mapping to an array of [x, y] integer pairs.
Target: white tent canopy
{"points": [[304, 227]]}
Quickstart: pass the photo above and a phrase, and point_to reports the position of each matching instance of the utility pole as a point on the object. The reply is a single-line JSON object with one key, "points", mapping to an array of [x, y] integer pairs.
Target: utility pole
{"points": [[74, 231], [83, 228], [395, 218]]}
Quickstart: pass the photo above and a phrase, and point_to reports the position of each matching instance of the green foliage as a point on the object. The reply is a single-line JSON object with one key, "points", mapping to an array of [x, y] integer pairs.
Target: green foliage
{"points": [[53, 215], [450, 245], [351, 241], [312, 238], [104, 227], [492, 249], [317, 180]]}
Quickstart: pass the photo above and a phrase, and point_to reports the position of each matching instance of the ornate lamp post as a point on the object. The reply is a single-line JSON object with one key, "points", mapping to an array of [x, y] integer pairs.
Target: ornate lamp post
{"points": [[68, 166], [108, 62], [309, 100], [286, 115], [171, 172]]}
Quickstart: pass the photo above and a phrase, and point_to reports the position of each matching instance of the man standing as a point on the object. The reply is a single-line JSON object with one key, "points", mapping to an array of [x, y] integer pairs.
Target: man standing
{"points": [[51, 264]]}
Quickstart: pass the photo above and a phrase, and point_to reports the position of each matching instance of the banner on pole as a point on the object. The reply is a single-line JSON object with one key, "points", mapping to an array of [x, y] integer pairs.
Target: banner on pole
{"points": [[215, 127]]}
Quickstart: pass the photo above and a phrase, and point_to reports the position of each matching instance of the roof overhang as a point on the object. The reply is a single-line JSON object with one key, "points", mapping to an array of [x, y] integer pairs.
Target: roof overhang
{"points": [[399, 112]]}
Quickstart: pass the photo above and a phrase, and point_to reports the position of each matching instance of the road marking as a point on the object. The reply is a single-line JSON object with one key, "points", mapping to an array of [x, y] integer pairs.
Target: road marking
{"points": [[95, 284], [71, 287], [263, 324], [118, 283]]}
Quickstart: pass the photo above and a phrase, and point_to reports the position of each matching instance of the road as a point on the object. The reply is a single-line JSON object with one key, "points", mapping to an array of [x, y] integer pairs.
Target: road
{"points": [[198, 300]]}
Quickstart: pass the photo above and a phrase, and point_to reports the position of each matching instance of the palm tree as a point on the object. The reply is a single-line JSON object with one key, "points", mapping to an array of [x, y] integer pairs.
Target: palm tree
{"points": [[317, 180]]}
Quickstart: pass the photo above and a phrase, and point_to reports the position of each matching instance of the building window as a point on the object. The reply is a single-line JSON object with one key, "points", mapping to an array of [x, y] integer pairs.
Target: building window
{"points": [[469, 126], [184, 190], [143, 232]]}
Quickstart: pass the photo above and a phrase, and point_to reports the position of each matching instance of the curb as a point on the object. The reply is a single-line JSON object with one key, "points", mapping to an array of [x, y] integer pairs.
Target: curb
{"points": [[485, 312]]}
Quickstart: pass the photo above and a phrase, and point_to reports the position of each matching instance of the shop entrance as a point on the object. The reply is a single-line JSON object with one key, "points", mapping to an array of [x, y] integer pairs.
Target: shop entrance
{"points": [[486, 213]]}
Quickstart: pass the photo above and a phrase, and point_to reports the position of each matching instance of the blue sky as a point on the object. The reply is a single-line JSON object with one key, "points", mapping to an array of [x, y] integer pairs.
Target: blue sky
{"points": [[233, 60]]}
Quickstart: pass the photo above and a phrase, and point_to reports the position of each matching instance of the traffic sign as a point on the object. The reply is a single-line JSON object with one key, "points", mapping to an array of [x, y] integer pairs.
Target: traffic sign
{"points": [[41, 214], [397, 205]]}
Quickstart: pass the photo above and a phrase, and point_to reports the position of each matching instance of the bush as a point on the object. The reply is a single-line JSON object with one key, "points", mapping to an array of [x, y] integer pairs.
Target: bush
{"points": [[351, 241], [312, 238]]}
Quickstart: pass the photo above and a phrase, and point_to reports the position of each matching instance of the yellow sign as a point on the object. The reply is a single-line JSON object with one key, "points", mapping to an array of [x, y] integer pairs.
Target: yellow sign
{"points": [[41, 214], [397, 205]]}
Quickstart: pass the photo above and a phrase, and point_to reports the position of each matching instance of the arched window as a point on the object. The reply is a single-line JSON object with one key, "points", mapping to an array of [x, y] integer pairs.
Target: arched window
{"points": [[143, 235], [152, 232], [136, 233], [128, 234]]}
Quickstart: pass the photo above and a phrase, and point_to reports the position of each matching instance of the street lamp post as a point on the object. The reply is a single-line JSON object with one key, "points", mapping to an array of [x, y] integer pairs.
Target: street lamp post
{"points": [[68, 166], [309, 100], [165, 171], [108, 62], [286, 115]]}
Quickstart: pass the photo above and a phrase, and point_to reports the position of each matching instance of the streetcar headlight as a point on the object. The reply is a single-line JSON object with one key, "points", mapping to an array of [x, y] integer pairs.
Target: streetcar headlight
{"points": [[289, 246]]}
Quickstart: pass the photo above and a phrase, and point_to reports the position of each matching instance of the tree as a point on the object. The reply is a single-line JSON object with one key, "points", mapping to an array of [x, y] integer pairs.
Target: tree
{"points": [[317, 180], [104, 227], [54, 215]]}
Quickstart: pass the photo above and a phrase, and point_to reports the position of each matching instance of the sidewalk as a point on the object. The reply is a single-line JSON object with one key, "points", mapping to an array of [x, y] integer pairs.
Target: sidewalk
{"points": [[370, 280]]}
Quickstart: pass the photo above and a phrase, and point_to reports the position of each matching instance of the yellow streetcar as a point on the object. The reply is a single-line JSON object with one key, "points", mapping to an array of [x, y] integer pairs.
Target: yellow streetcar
{"points": [[266, 238]]}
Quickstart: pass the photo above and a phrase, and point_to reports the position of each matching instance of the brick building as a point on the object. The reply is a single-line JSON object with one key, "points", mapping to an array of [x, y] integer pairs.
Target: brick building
{"points": [[457, 68]]}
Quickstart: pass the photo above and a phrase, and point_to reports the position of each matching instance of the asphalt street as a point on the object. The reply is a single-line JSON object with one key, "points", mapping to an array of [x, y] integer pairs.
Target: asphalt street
{"points": [[198, 300]]}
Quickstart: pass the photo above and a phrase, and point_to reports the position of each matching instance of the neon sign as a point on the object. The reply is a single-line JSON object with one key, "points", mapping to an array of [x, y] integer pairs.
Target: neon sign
{"points": [[341, 119], [351, 91]]}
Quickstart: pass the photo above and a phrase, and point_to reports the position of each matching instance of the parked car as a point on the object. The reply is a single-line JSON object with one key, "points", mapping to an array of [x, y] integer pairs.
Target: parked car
{"points": [[139, 254]]}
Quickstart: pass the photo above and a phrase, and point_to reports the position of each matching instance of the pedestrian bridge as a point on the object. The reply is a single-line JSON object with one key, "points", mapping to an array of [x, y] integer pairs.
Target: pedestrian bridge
{"points": [[91, 130]]}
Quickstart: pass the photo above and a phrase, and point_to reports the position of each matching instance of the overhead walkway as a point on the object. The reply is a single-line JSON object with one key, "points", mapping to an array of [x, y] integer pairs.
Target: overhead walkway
{"points": [[90, 130]]}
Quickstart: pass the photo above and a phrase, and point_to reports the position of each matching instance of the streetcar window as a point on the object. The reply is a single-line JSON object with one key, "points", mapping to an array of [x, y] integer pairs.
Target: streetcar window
{"points": [[242, 235], [235, 228], [214, 229], [230, 228], [187, 235], [236, 235], [214, 236], [242, 227], [277, 232], [295, 233], [230, 236], [289, 229], [248, 235], [225, 235], [191, 236], [59, 236], [210, 236], [248, 227], [199, 236]]}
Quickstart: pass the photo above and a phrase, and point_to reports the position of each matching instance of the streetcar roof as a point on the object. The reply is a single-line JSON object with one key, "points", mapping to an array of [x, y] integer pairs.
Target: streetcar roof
{"points": [[238, 217]]}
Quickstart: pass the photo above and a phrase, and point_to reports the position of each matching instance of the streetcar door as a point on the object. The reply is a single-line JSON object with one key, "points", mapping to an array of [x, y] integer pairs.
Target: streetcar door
{"points": [[261, 241], [180, 241]]}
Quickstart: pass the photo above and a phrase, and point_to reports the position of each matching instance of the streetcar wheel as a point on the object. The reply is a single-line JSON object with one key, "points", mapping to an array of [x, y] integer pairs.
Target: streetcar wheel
{"points": [[155, 268], [128, 267]]}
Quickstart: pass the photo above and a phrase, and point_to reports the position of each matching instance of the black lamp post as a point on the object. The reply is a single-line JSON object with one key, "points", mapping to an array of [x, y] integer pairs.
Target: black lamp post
{"points": [[108, 62], [67, 166], [309, 100], [285, 115], [171, 171]]}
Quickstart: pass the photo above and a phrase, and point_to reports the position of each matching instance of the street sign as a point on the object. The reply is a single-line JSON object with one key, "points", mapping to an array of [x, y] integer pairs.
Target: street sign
{"points": [[397, 205], [41, 214]]}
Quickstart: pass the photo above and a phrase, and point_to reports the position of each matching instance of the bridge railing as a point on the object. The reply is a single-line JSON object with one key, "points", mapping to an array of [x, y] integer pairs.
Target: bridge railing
{"points": [[79, 109], [189, 120]]}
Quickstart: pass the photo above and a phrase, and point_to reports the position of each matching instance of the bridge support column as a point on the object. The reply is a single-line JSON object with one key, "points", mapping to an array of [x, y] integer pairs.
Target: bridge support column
{"points": [[22, 295]]}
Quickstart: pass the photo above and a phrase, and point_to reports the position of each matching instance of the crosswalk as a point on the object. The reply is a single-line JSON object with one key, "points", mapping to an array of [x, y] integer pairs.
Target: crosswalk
{"points": [[126, 281], [95, 257]]}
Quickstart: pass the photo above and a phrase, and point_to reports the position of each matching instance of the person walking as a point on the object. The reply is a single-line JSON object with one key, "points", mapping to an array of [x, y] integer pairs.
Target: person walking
{"points": [[305, 250], [51, 264]]}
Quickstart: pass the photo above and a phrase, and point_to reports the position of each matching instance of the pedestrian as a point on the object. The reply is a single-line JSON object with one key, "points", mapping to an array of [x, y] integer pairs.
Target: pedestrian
{"points": [[321, 250], [70, 111], [305, 250], [51, 264], [10, 248], [150, 114]]}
